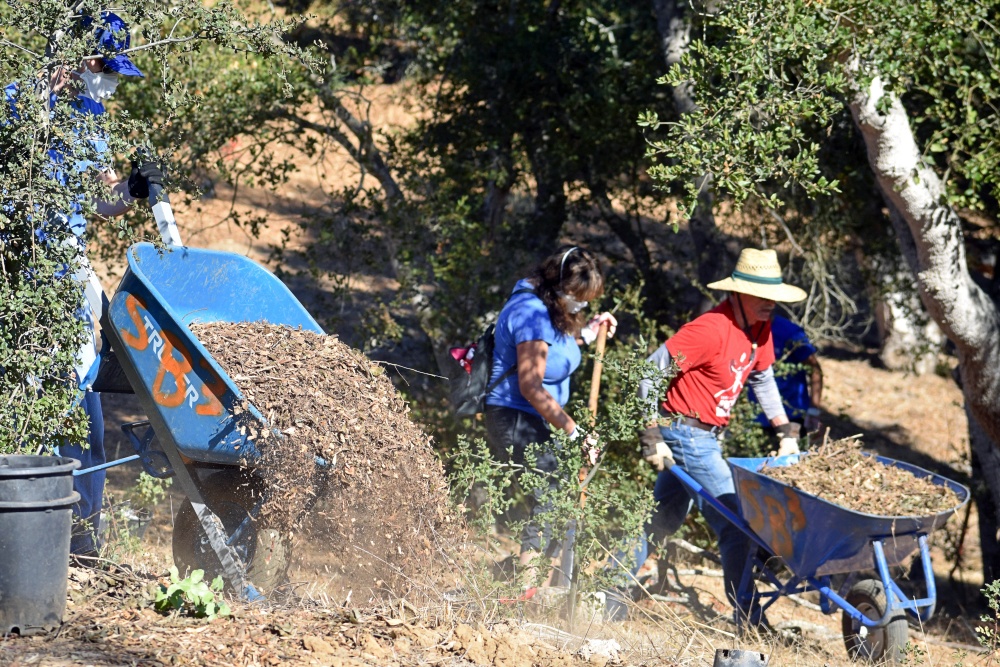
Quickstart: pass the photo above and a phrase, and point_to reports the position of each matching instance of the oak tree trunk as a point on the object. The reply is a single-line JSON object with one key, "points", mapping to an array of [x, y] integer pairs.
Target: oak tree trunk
{"points": [[985, 465], [931, 241]]}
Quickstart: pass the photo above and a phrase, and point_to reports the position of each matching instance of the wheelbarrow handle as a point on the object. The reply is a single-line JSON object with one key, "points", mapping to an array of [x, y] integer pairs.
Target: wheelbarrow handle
{"points": [[164, 215], [731, 516]]}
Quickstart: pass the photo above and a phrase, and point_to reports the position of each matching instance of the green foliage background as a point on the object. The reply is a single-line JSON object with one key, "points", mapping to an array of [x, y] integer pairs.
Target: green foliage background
{"points": [[40, 329]]}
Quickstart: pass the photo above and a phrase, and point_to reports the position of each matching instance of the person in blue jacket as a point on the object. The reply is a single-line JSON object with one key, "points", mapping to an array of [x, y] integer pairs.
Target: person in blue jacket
{"points": [[537, 338], [801, 391], [90, 85]]}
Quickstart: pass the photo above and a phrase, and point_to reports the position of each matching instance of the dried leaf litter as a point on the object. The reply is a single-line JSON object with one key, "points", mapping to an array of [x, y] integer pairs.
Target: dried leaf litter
{"points": [[839, 472], [382, 497]]}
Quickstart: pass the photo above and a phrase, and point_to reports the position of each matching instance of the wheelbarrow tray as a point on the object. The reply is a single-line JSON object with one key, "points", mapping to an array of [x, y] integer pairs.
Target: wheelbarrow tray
{"points": [[190, 400], [815, 537]]}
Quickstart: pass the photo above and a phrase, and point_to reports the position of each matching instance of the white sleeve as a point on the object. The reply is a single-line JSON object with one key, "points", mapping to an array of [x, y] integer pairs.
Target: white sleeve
{"points": [[766, 390], [651, 389]]}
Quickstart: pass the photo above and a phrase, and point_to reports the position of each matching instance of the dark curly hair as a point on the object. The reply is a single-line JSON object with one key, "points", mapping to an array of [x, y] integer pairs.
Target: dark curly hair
{"points": [[573, 271]]}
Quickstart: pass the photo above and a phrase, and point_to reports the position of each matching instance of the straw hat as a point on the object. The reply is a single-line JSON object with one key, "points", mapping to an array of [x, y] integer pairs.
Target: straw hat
{"points": [[758, 274]]}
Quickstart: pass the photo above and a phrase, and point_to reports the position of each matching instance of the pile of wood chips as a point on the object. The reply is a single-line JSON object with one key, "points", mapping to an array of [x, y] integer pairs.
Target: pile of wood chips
{"points": [[377, 507], [839, 472]]}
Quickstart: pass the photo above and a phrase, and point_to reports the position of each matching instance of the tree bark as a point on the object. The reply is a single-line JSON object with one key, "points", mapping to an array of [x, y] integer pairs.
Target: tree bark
{"points": [[363, 151], [899, 315], [498, 190], [673, 22], [627, 229], [966, 314], [550, 199], [985, 466]]}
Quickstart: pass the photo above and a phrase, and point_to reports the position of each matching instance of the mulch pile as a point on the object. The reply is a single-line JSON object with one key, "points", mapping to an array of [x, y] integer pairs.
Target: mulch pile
{"points": [[378, 507], [839, 472]]}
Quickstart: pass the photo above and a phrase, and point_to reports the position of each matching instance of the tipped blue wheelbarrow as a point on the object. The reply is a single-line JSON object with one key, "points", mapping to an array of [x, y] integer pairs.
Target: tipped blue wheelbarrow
{"points": [[814, 540], [198, 416]]}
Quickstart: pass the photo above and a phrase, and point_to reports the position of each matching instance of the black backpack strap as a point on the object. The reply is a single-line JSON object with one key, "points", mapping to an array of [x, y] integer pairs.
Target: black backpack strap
{"points": [[506, 374], [513, 369]]}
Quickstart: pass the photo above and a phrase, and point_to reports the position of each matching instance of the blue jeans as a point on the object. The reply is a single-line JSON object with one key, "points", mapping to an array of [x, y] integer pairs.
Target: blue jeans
{"points": [[91, 486], [699, 454]]}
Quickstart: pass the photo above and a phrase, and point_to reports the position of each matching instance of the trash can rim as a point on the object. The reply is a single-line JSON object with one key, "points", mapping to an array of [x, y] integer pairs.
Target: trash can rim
{"points": [[44, 465]]}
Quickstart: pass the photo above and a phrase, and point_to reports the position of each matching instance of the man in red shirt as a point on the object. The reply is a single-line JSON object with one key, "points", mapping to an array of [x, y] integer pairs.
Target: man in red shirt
{"points": [[717, 354]]}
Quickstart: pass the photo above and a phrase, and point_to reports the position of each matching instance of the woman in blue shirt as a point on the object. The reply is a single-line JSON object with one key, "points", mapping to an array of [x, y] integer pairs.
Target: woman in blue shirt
{"points": [[539, 332]]}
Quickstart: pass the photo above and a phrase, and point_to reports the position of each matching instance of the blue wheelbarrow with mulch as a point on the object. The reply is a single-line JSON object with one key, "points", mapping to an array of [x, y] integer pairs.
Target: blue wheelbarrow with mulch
{"points": [[804, 541], [197, 417]]}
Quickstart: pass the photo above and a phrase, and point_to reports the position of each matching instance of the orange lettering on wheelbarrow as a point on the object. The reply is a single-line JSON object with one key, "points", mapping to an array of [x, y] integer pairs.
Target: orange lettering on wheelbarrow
{"points": [[777, 518], [177, 370], [748, 491], [140, 339], [212, 391], [795, 507]]}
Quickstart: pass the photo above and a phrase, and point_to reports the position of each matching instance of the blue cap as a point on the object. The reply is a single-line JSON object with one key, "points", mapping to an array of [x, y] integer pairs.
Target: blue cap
{"points": [[111, 37]]}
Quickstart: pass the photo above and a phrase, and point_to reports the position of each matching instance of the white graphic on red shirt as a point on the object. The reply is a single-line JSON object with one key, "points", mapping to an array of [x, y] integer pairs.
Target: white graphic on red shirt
{"points": [[726, 398]]}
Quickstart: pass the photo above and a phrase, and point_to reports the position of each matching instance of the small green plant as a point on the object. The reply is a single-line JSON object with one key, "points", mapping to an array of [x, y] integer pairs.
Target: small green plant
{"points": [[148, 491], [480, 484], [192, 595], [989, 632], [913, 654], [125, 522]]}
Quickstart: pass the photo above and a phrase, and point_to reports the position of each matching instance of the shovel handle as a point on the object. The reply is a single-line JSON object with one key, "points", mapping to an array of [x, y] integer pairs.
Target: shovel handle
{"points": [[595, 380], [586, 474]]}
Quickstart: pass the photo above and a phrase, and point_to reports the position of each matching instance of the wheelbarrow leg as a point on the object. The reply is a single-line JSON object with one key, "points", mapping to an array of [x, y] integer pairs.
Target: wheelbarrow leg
{"points": [[746, 590], [233, 568], [923, 608]]}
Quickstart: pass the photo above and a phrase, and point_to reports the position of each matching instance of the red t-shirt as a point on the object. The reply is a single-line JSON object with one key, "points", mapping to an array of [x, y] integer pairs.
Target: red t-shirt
{"points": [[715, 358]]}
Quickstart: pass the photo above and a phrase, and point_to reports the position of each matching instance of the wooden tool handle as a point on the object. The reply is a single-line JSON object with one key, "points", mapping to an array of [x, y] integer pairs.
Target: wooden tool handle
{"points": [[595, 380]]}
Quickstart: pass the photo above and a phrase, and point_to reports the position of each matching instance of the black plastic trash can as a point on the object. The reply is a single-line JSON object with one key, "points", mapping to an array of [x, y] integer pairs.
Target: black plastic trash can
{"points": [[36, 515]]}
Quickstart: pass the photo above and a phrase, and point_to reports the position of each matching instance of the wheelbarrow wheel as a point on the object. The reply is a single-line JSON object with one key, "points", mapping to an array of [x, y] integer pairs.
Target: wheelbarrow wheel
{"points": [[264, 552], [873, 644]]}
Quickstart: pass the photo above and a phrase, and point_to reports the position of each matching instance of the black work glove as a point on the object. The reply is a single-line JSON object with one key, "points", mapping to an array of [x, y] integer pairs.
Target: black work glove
{"points": [[142, 176], [654, 450]]}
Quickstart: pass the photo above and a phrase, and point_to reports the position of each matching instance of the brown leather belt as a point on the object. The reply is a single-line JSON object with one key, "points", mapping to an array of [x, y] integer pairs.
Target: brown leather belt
{"points": [[675, 418], [697, 423]]}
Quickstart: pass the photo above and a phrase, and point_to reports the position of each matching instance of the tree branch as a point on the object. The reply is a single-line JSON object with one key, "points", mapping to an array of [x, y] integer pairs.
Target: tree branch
{"points": [[366, 151], [20, 48]]}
